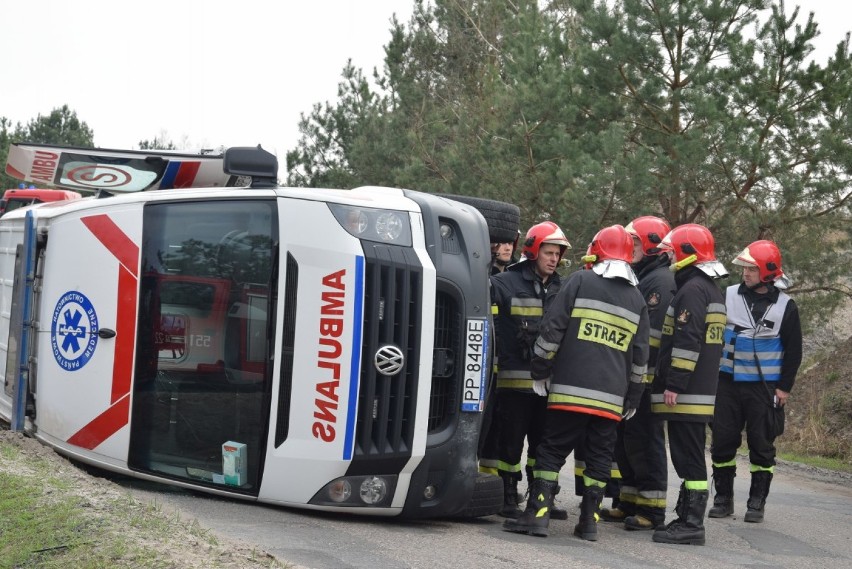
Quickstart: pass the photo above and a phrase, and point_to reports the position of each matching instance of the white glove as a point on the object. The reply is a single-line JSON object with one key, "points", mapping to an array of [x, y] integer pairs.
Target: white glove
{"points": [[541, 387]]}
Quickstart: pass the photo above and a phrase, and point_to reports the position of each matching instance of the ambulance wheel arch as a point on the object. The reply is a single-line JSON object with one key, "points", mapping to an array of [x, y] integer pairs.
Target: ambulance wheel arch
{"points": [[503, 218]]}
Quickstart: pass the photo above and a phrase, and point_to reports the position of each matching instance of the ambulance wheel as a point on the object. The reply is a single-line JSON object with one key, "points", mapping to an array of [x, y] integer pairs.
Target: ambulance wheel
{"points": [[503, 218], [487, 497]]}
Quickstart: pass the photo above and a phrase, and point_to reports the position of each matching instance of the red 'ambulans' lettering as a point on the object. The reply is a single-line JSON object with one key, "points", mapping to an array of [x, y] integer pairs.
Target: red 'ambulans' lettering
{"points": [[328, 356], [44, 165]]}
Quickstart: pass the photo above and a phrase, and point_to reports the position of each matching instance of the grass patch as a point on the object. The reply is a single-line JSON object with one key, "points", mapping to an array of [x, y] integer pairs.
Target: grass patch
{"points": [[53, 516], [47, 532], [818, 461]]}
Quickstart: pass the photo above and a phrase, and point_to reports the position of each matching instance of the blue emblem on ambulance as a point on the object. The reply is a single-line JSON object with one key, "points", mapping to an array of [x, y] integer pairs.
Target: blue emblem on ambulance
{"points": [[74, 331]]}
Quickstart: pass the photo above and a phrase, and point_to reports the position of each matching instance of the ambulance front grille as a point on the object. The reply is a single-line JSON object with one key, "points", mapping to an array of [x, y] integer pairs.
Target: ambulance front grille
{"points": [[442, 401], [393, 291]]}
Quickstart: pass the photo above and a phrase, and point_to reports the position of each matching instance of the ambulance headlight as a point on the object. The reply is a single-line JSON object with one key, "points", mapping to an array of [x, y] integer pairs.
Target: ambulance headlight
{"points": [[357, 491], [373, 490], [340, 491], [382, 225]]}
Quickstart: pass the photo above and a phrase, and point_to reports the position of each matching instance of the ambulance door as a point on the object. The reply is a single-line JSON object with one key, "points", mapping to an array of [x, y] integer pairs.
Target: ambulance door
{"points": [[203, 371], [87, 330]]}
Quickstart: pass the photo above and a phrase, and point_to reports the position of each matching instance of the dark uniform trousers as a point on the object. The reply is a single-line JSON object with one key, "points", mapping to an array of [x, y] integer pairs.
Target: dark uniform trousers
{"points": [[643, 454], [743, 404], [520, 415], [686, 445], [490, 430], [568, 430]]}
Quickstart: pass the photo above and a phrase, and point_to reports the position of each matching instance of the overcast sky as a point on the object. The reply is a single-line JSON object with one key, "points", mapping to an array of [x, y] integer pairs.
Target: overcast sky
{"points": [[211, 73], [230, 73]]}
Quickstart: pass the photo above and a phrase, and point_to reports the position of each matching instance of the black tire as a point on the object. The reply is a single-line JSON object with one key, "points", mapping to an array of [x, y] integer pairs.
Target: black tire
{"points": [[503, 218], [487, 497]]}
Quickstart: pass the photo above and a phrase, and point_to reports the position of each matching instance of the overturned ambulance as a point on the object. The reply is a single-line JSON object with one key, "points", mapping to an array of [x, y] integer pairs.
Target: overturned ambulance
{"points": [[323, 349]]}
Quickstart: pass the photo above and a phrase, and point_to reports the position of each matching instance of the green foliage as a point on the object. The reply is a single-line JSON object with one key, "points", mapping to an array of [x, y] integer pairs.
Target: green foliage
{"points": [[159, 142], [592, 113], [60, 127], [7, 136]]}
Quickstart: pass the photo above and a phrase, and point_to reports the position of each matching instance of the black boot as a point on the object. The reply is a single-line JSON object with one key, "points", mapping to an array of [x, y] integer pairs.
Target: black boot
{"points": [[536, 517], [510, 507], [760, 482], [723, 501], [680, 506], [688, 529], [587, 528], [556, 513]]}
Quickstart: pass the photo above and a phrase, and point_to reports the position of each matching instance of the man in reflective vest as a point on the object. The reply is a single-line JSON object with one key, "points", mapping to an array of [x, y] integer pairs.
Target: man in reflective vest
{"points": [[762, 354]]}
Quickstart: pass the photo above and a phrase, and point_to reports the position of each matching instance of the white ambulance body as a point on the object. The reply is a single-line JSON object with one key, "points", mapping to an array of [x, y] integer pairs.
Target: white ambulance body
{"points": [[324, 349]]}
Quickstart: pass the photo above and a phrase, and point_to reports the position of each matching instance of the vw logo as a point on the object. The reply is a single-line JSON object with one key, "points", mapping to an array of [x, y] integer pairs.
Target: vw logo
{"points": [[389, 360]]}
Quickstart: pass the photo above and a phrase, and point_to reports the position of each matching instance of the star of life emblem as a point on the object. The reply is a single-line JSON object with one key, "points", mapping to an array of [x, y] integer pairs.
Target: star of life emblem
{"points": [[73, 331]]}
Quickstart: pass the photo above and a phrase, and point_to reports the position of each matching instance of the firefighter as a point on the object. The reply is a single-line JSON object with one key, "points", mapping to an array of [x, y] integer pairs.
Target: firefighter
{"points": [[501, 257], [520, 295], [641, 446], [760, 359], [591, 355], [684, 388]]}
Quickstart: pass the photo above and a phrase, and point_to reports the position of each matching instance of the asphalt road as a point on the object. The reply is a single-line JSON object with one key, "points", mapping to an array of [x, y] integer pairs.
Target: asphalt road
{"points": [[808, 526]]}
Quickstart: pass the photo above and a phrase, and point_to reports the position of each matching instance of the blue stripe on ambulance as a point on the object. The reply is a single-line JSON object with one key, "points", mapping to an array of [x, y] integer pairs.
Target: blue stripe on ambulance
{"points": [[355, 367], [169, 175]]}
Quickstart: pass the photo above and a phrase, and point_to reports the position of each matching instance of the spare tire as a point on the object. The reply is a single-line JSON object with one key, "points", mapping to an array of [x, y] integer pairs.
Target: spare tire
{"points": [[503, 218]]}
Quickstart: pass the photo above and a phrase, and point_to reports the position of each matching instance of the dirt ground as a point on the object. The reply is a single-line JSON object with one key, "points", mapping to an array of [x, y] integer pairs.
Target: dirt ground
{"points": [[819, 421], [186, 546], [819, 411]]}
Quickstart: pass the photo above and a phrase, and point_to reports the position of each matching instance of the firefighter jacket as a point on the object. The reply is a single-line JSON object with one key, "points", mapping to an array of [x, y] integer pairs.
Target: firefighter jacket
{"points": [[763, 337], [657, 285], [691, 346], [518, 298], [593, 343]]}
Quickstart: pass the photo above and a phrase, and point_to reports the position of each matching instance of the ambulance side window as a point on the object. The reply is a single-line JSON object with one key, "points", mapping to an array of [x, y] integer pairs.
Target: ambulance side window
{"points": [[203, 367]]}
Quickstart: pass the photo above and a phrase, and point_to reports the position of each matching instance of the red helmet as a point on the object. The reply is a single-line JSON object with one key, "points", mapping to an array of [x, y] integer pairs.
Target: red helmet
{"points": [[544, 232], [690, 243], [611, 243], [765, 256], [650, 231]]}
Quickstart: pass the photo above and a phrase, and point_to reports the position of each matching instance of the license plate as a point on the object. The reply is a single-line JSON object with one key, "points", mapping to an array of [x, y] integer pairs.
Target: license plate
{"points": [[475, 365]]}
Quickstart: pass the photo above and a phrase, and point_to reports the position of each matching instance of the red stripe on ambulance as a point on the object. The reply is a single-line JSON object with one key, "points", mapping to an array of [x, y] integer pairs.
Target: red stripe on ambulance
{"points": [[186, 174], [115, 240], [125, 335], [118, 414], [15, 173], [103, 426]]}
